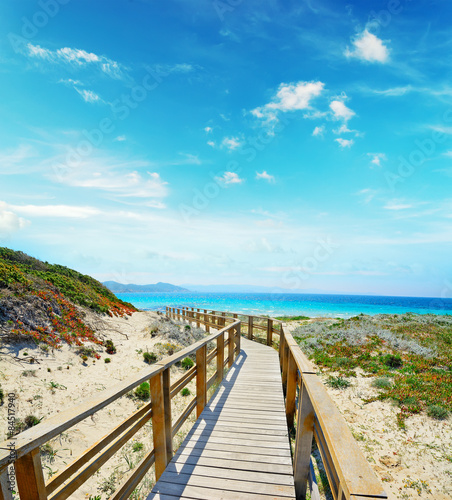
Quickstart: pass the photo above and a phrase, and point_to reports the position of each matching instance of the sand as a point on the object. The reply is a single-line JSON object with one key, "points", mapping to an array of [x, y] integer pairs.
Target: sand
{"points": [[413, 464]]}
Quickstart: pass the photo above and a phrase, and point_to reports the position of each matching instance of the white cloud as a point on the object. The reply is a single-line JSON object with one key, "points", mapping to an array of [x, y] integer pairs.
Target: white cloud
{"points": [[396, 205], [289, 97], [231, 143], [267, 177], [76, 58], [120, 138], [13, 158], [208, 130], [9, 221], [230, 178], [344, 143], [340, 111], [211, 144], [368, 47], [88, 95], [377, 158], [367, 194], [318, 131], [116, 178], [64, 211]]}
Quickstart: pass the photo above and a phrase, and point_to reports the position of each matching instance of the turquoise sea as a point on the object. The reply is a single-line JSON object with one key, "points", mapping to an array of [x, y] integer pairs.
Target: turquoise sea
{"points": [[314, 305]]}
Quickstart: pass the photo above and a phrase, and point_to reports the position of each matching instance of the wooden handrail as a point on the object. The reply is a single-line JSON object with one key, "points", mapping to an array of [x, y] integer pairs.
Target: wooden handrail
{"points": [[349, 474], [312, 414], [27, 462]]}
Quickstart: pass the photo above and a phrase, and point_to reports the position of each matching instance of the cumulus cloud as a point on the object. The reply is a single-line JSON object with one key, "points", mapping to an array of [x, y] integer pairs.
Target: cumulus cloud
{"points": [[208, 130], [318, 131], [376, 158], [10, 222], [230, 178], [231, 143], [264, 176], [289, 97], [344, 143], [340, 111], [368, 47]]}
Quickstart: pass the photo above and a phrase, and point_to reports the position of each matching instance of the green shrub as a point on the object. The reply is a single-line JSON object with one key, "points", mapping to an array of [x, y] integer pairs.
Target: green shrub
{"points": [[31, 420], [438, 412], [110, 347], [137, 446], [149, 357], [381, 383], [393, 360], [338, 382], [185, 391], [187, 363], [187, 327], [107, 360], [143, 391]]}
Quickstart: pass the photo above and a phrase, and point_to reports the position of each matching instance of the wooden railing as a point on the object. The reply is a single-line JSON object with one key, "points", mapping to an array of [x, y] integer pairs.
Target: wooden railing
{"points": [[252, 326], [311, 414], [25, 454]]}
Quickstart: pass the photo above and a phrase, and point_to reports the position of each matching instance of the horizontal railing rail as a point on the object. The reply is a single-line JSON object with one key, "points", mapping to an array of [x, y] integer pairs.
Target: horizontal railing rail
{"points": [[311, 414], [250, 323], [26, 456]]}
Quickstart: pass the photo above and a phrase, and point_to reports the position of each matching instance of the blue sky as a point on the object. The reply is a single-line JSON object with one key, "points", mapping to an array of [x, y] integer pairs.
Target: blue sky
{"points": [[302, 145]]}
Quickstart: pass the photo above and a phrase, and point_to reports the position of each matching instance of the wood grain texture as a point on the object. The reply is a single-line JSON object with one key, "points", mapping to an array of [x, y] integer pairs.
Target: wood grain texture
{"points": [[239, 446]]}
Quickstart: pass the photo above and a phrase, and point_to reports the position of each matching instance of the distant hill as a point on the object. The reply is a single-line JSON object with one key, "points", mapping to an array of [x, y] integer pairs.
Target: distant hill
{"points": [[48, 302], [159, 287]]}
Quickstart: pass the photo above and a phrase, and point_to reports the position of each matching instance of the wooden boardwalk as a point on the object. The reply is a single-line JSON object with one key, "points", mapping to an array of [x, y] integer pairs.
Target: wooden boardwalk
{"points": [[239, 447]]}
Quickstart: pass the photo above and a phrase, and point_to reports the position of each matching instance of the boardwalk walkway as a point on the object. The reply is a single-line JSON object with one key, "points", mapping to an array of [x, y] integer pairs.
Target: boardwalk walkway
{"points": [[239, 447]]}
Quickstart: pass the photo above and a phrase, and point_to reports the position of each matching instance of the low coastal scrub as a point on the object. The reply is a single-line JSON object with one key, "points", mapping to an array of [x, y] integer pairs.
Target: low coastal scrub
{"points": [[409, 355], [149, 357], [143, 391], [41, 301]]}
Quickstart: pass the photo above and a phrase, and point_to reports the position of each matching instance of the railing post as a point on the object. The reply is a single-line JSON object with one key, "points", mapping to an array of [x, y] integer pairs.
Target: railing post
{"points": [[158, 424], [206, 320], [291, 391], [231, 346], [281, 346], [5, 487], [303, 443], [270, 332], [238, 337], [29, 476], [220, 357], [201, 380], [198, 324], [223, 321], [285, 366], [250, 327], [167, 408]]}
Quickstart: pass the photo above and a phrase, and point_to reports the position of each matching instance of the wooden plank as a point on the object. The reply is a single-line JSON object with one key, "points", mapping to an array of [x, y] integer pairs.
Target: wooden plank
{"points": [[235, 464], [201, 493], [29, 476], [59, 478], [201, 381], [5, 487], [219, 483], [220, 357], [158, 424], [166, 384], [303, 444], [291, 389], [126, 488]]}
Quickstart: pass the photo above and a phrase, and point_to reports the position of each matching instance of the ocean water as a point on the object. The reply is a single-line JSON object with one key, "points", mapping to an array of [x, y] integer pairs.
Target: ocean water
{"points": [[313, 305]]}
